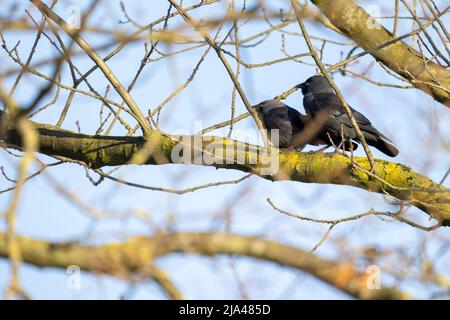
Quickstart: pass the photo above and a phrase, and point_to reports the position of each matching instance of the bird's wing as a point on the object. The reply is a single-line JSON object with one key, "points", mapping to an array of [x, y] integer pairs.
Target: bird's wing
{"points": [[295, 118], [277, 118], [331, 104]]}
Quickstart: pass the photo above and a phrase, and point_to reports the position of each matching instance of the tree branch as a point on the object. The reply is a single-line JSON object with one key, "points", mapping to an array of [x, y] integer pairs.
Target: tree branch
{"points": [[140, 252], [354, 22], [75, 35], [394, 179]]}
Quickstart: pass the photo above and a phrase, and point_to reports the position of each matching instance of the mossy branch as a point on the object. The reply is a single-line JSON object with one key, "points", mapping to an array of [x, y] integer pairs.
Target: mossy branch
{"points": [[391, 178], [139, 253], [356, 24]]}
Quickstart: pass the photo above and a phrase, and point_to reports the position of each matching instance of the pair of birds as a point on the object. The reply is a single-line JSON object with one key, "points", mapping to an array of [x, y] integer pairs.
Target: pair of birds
{"points": [[325, 123]]}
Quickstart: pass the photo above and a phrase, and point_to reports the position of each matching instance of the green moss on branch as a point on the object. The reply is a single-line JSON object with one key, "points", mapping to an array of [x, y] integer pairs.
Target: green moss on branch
{"points": [[395, 179]]}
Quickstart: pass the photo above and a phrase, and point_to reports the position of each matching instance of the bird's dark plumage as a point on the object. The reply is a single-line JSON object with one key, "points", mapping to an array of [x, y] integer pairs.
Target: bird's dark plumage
{"points": [[295, 129], [321, 100]]}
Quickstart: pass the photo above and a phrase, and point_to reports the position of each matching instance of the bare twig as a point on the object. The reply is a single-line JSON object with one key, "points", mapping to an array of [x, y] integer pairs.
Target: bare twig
{"points": [[227, 66], [136, 112]]}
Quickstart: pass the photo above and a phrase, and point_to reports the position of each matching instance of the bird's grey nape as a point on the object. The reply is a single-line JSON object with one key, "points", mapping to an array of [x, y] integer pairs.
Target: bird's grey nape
{"points": [[269, 105]]}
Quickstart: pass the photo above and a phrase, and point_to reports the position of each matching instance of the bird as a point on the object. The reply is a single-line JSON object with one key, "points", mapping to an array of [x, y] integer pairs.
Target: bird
{"points": [[295, 130], [320, 100]]}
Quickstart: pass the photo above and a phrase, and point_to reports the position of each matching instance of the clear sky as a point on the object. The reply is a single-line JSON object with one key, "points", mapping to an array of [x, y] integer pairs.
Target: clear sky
{"points": [[407, 116]]}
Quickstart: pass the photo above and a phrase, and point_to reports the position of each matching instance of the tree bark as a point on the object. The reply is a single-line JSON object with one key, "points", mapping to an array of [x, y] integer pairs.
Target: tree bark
{"points": [[356, 24], [395, 179], [139, 253]]}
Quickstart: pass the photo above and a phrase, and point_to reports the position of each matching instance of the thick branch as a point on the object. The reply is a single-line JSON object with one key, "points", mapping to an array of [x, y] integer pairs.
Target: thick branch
{"points": [[98, 151], [355, 23], [138, 254]]}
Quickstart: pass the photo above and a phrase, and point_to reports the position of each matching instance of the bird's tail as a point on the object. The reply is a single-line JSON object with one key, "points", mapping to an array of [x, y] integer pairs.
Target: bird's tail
{"points": [[386, 146]]}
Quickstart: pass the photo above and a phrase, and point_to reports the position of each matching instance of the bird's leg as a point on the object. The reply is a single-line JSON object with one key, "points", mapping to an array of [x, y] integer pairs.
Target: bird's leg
{"points": [[321, 150]]}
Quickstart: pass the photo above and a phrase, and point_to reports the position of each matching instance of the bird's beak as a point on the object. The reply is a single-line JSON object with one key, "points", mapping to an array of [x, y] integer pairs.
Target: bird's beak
{"points": [[301, 85]]}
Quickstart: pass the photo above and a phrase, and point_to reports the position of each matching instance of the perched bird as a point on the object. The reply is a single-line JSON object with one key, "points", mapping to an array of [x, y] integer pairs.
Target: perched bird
{"points": [[320, 100], [295, 130]]}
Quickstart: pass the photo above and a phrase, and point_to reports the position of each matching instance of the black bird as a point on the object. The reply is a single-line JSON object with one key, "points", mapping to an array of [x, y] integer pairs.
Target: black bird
{"points": [[295, 129], [321, 100]]}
